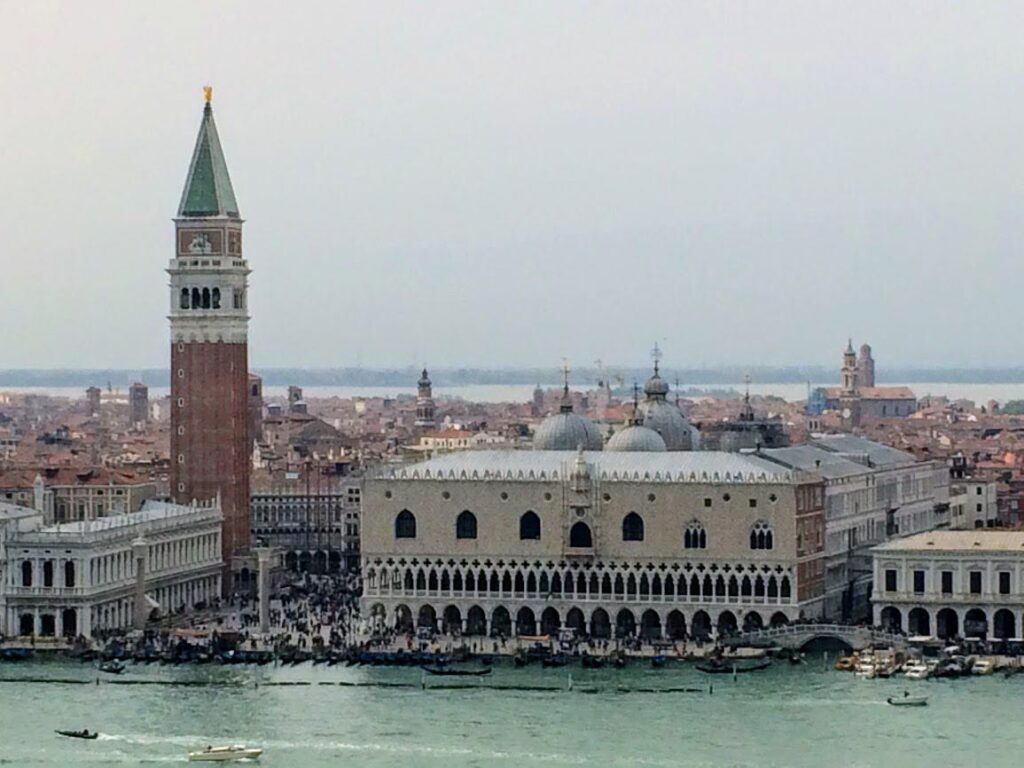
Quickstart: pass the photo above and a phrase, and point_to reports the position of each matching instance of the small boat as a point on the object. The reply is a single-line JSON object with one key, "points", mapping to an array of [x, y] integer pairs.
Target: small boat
{"points": [[15, 654], [657, 662], [983, 667], [554, 661], [112, 667], [846, 663], [225, 754], [445, 671], [725, 668], [916, 670], [908, 701], [592, 662], [82, 734]]}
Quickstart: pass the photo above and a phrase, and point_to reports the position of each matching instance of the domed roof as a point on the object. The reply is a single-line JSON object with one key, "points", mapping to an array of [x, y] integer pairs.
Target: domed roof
{"points": [[668, 421], [567, 431], [636, 438], [656, 386]]}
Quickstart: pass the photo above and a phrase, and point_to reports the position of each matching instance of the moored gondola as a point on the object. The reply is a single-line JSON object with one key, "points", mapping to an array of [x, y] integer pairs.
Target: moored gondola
{"points": [[718, 667], [451, 672]]}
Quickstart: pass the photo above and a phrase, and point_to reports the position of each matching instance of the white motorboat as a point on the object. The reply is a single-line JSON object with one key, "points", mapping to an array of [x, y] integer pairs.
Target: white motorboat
{"points": [[225, 754], [866, 668], [916, 670], [983, 667]]}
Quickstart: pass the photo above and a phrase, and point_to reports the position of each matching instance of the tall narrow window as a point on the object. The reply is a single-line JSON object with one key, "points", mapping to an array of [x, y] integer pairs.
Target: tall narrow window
{"points": [[183, 302], [465, 525], [890, 580], [529, 526], [580, 536], [632, 527], [215, 298], [405, 525], [206, 298]]}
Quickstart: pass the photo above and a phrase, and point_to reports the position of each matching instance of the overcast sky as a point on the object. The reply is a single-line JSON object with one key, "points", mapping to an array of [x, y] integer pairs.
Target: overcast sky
{"points": [[513, 183]]}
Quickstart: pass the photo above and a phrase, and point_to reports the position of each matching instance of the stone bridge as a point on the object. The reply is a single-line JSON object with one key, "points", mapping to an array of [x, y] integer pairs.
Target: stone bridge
{"points": [[796, 636]]}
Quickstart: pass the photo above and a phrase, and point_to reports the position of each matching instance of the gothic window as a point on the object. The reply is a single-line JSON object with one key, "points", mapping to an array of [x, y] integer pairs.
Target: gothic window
{"points": [[236, 298], [206, 298], [465, 525], [183, 303], [695, 537], [761, 535], [580, 536], [215, 298], [632, 527], [197, 299], [405, 525], [529, 526]]}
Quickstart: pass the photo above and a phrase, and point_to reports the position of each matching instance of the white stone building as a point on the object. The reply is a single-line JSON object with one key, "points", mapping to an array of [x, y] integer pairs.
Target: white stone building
{"points": [[80, 577], [951, 583], [872, 493], [657, 544]]}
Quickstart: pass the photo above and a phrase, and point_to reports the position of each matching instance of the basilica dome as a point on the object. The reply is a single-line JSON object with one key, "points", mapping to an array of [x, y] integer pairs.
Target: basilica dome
{"points": [[665, 418], [636, 438], [567, 431]]}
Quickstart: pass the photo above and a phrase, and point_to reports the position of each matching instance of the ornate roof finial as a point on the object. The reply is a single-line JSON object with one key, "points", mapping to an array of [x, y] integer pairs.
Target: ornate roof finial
{"points": [[565, 375], [208, 93], [656, 356]]}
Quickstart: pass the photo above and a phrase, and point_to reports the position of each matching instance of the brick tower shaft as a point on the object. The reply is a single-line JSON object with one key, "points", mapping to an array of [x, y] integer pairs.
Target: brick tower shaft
{"points": [[210, 443]]}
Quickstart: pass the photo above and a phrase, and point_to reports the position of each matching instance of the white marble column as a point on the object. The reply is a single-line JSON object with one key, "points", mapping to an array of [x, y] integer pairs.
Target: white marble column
{"points": [[139, 550]]}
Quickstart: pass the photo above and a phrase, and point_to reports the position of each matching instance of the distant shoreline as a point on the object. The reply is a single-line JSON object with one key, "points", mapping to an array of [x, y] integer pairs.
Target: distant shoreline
{"points": [[546, 377]]}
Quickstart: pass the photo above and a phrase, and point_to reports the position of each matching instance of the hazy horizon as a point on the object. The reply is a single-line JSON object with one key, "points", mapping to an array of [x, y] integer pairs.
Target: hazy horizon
{"points": [[507, 185]]}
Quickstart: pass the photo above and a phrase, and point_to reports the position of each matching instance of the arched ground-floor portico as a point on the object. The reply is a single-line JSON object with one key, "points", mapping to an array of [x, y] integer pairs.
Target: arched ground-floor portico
{"points": [[945, 621], [509, 618]]}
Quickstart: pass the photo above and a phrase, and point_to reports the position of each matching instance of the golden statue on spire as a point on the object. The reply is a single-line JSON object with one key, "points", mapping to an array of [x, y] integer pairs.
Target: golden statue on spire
{"points": [[208, 93]]}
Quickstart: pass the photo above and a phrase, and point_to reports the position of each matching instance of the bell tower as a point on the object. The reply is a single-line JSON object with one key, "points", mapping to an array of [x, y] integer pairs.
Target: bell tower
{"points": [[210, 450]]}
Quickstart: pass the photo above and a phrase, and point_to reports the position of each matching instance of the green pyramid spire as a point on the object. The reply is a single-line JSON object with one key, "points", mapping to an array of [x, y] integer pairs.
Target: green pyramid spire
{"points": [[208, 189]]}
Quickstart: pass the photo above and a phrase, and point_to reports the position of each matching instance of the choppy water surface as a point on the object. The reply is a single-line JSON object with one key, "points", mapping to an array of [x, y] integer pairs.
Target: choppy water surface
{"points": [[781, 717]]}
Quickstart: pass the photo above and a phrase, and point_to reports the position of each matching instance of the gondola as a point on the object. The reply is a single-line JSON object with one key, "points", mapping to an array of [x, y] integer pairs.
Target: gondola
{"points": [[721, 668], [112, 667], [446, 672], [554, 661], [83, 734], [15, 654]]}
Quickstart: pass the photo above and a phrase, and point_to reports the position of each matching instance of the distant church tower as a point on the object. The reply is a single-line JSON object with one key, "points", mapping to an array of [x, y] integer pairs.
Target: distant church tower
{"points": [[849, 369], [849, 399], [210, 448], [865, 367], [425, 418]]}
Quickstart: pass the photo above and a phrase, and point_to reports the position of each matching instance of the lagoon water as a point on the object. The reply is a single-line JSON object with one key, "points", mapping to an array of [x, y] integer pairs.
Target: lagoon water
{"points": [[521, 393], [805, 716]]}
